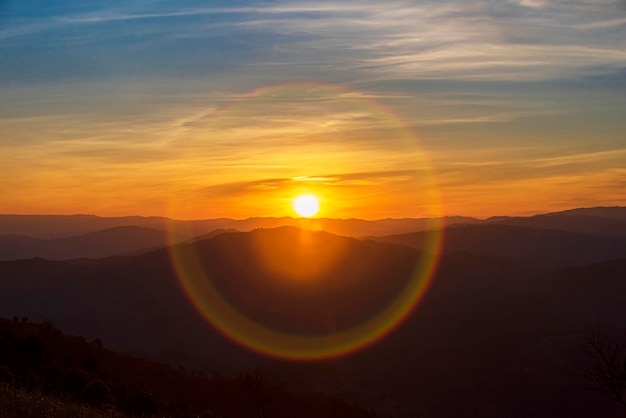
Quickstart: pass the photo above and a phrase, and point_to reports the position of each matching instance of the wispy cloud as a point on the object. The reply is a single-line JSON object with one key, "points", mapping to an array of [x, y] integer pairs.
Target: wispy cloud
{"points": [[603, 24], [484, 40], [357, 179], [533, 3]]}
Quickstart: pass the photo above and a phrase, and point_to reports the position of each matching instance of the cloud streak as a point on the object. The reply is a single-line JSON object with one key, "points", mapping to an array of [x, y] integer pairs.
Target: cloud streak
{"points": [[469, 40], [358, 179]]}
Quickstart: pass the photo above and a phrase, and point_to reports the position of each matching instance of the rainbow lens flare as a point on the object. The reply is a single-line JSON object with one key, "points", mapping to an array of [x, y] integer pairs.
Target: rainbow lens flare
{"points": [[302, 293]]}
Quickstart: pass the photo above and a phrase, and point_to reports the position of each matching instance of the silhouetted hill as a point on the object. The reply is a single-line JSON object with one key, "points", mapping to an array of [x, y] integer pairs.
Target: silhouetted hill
{"points": [[608, 222], [331, 278], [540, 245], [604, 221], [594, 293], [99, 244], [214, 234], [40, 357], [494, 335], [608, 212], [361, 227], [64, 226]]}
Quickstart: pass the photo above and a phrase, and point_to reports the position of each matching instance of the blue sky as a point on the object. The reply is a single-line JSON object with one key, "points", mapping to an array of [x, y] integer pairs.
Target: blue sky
{"points": [[505, 98]]}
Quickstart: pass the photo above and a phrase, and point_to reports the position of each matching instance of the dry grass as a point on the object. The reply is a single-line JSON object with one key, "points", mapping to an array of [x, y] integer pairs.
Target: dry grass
{"points": [[20, 403]]}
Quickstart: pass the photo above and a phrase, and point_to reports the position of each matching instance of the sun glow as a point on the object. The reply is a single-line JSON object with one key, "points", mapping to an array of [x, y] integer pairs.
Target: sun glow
{"points": [[306, 205]]}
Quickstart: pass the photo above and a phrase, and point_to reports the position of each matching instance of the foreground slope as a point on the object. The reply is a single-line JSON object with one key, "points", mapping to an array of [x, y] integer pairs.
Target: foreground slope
{"points": [[38, 359]]}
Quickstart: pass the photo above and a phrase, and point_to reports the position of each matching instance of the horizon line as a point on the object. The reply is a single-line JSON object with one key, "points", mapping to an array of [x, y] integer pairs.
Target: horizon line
{"points": [[313, 218]]}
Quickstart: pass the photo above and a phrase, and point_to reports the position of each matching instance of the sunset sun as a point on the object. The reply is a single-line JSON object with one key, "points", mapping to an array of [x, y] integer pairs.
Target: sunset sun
{"points": [[306, 205]]}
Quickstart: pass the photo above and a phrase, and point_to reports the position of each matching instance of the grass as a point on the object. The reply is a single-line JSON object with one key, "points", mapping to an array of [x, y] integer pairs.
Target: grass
{"points": [[20, 403]]}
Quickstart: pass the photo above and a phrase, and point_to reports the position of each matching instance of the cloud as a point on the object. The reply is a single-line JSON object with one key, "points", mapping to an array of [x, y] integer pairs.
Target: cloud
{"points": [[454, 40], [356, 179], [603, 24], [510, 165], [533, 3]]}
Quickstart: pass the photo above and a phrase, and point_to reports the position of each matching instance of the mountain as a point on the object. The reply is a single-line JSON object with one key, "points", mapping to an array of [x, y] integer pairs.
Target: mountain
{"points": [[558, 247], [259, 270], [607, 212], [507, 347], [214, 233], [64, 226], [99, 244], [360, 227], [601, 221], [493, 336]]}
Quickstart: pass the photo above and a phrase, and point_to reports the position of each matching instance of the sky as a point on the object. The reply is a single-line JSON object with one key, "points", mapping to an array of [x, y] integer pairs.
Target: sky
{"points": [[207, 109]]}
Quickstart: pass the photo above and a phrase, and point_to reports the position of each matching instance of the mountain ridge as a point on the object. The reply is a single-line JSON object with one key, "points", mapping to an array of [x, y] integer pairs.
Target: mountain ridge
{"points": [[98, 244], [540, 244]]}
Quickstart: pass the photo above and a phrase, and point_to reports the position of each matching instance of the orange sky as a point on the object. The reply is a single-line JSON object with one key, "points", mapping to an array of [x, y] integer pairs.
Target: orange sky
{"points": [[251, 157], [422, 110]]}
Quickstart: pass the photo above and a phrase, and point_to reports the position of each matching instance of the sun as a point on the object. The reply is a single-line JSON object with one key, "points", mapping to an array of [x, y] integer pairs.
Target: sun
{"points": [[306, 205]]}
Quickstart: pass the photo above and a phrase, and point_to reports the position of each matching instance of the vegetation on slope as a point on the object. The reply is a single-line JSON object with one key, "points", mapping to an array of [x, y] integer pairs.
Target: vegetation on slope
{"points": [[46, 373]]}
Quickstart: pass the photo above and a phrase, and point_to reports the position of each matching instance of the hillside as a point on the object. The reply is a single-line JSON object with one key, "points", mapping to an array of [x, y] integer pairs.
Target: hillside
{"points": [[142, 291], [493, 333], [39, 357]]}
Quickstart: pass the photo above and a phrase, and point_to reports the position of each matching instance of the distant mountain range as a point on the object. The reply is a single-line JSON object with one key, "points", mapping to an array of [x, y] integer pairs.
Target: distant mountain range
{"points": [[57, 237], [497, 334], [609, 222], [104, 243], [553, 246]]}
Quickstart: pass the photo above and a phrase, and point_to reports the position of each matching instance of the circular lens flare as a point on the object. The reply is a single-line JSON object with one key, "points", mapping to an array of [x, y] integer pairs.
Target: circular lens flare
{"points": [[306, 205], [349, 164]]}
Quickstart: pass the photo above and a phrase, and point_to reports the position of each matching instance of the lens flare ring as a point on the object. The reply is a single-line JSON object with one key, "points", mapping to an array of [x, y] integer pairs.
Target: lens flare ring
{"points": [[246, 331]]}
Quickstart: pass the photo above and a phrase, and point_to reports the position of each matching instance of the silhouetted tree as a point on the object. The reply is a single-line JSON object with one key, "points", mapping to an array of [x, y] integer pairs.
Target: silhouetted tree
{"points": [[608, 372]]}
